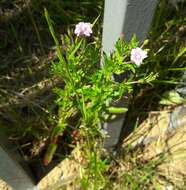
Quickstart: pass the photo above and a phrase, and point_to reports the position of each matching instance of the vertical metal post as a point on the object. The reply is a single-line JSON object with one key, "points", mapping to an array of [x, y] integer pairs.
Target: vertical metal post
{"points": [[12, 173], [126, 18], [11, 167]]}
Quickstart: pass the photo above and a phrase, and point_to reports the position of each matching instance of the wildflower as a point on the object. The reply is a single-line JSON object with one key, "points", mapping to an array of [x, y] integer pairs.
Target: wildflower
{"points": [[83, 29], [138, 55]]}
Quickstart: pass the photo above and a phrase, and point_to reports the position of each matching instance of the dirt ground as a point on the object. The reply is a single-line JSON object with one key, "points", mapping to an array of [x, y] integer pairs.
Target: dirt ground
{"points": [[4, 186]]}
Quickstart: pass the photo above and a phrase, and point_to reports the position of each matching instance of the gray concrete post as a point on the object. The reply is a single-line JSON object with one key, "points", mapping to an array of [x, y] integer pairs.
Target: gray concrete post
{"points": [[124, 17], [13, 170], [13, 174]]}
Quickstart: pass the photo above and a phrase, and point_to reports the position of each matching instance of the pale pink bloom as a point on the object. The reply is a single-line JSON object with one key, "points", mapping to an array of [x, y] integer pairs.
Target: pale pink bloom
{"points": [[83, 29], [138, 55]]}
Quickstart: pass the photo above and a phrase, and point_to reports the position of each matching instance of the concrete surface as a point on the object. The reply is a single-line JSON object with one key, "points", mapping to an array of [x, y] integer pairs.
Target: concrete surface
{"points": [[124, 18]]}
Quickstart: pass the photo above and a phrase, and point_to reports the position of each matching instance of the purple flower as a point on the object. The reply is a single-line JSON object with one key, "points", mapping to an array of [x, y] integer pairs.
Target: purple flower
{"points": [[138, 55], [83, 29]]}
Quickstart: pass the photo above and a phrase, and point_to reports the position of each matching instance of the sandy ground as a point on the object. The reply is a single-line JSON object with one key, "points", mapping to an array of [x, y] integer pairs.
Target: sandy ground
{"points": [[4, 186]]}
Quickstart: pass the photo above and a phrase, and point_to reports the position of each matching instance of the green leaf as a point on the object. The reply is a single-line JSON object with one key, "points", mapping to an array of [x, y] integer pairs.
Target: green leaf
{"points": [[95, 21], [177, 69], [134, 42], [58, 130], [71, 56], [171, 98], [181, 52], [117, 110], [49, 22]]}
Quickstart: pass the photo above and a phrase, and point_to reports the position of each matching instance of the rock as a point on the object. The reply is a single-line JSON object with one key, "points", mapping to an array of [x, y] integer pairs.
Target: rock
{"points": [[4, 186], [163, 136], [64, 173]]}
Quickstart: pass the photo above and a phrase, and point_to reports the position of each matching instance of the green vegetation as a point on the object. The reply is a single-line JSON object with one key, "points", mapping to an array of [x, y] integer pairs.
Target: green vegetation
{"points": [[54, 96]]}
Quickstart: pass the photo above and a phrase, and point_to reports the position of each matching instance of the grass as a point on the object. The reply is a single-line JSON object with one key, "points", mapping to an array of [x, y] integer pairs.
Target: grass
{"points": [[131, 173], [26, 98], [167, 39], [26, 52], [27, 109]]}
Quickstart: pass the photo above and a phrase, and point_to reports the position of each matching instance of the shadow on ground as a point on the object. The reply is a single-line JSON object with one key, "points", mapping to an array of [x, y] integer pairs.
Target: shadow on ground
{"points": [[26, 50]]}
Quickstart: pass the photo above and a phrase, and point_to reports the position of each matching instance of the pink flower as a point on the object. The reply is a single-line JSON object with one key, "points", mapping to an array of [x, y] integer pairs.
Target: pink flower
{"points": [[83, 29], [138, 55]]}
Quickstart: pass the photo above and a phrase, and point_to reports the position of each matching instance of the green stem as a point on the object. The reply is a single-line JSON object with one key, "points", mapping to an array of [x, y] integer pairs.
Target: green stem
{"points": [[168, 82], [177, 69], [62, 60]]}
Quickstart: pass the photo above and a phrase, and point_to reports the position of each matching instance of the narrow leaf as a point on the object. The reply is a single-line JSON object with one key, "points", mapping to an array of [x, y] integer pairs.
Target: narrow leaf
{"points": [[117, 110], [171, 98], [182, 52]]}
